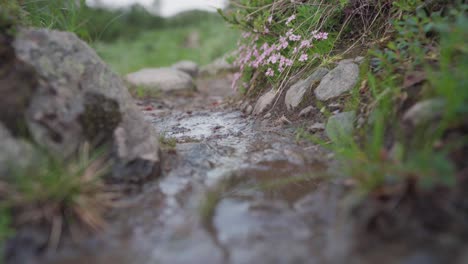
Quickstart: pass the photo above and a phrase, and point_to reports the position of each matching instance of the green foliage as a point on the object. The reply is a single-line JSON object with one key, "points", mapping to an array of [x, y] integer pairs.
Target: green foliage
{"points": [[431, 43], [167, 142], [51, 188], [141, 92], [268, 22], [110, 25], [66, 15], [163, 47]]}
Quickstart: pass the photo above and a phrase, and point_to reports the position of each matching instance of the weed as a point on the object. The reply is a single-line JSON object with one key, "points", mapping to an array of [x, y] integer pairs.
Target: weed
{"points": [[167, 142], [56, 193], [141, 92], [384, 152]]}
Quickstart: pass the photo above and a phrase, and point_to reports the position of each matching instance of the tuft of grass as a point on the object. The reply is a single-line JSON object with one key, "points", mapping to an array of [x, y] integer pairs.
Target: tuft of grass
{"points": [[167, 142], [63, 15], [141, 92], [55, 193]]}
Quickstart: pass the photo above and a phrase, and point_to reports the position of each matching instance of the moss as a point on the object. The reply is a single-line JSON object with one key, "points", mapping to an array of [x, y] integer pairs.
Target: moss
{"points": [[100, 118]]}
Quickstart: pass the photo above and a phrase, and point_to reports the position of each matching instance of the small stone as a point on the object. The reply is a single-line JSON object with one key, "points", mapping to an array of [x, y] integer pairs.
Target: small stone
{"points": [[218, 66], [249, 110], [359, 59], [162, 79], [295, 94], [317, 127], [361, 121], [189, 67], [283, 121], [424, 112], [267, 116], [264, 102], [334, 106], [307, 111], [338, 81], [340, 127]]}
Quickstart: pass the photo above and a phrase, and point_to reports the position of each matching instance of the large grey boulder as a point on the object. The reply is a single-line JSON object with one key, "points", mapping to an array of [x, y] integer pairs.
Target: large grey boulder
{"points": [[338, 81], [162, 79], [295, 94], [189, 67], [264, 102], [76, 98]]}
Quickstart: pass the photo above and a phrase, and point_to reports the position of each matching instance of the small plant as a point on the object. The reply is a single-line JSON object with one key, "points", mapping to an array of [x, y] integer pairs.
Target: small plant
{"points": [[425, 59], [56, 193], [167, 142], [141, 92], [280, 39]]}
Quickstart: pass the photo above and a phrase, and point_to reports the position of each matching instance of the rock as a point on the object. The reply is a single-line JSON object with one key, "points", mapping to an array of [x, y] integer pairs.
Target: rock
{"points": [[359, 59], [283, 121], [189, 67], [307, 111], [296, 93], [316, 127], [79, 99], [249, 110], [267, 116], [264, 102], [14, 153], [162, 79], [424, 112], [218, 66], [334, 106], [338, 81], [340, 127]]}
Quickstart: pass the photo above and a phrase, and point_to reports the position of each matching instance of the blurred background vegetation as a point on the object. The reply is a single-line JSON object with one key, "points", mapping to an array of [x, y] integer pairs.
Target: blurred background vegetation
{"points": [[130, 38]]}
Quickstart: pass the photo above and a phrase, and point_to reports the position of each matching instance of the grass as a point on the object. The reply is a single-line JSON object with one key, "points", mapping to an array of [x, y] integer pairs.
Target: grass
{"points": [[141, 92], [56, 193], [167, 142], [164, 47], [386, 151]]}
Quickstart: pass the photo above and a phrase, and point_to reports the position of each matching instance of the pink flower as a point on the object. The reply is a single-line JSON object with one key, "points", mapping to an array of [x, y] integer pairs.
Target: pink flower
{"points": [[319, 35], [290, 19], [305, 44], [274, 58], [266, 30], [283, 43], [270, 72], [303, 57], [294, 37]]}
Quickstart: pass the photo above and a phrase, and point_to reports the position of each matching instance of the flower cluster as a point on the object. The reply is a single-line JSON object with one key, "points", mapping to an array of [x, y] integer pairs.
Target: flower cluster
{"points": [[274, 57]]}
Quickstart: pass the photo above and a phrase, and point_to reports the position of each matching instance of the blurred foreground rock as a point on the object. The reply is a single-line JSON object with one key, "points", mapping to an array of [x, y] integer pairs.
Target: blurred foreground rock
{"points": [[58, 94]]}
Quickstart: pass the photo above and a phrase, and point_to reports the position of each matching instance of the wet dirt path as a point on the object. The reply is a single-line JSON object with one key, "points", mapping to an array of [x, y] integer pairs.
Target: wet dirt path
{"points": [[234, 190]]}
